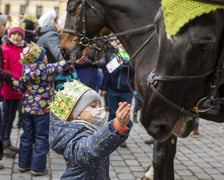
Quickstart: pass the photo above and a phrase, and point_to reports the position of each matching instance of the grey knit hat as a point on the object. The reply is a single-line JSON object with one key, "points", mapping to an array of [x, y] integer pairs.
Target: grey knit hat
{"points": [[88, 97], [3, 19]]}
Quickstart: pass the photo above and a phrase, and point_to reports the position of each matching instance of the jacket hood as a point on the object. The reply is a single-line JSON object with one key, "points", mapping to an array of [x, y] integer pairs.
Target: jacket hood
{"points": [[62, 132], [5, 40], [47, 28]]}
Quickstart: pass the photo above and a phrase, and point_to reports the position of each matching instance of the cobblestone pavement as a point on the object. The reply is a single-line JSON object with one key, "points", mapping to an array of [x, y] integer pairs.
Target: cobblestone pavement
{"points": [[196, 158]]}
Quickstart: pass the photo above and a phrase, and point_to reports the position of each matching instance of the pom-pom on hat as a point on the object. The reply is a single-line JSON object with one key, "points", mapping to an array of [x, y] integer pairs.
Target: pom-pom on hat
{"points": [[32, 53], [74, 98]]}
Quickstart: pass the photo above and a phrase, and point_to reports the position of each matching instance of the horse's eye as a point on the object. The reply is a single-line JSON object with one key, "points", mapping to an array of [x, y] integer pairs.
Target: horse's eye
{"points": [[72, 7]]}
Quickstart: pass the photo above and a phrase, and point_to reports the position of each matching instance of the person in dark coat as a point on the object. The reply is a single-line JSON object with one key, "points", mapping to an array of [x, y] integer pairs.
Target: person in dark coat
{"points": [[6, 75], [79, 132], [30, 34], [118, 82], [88, 67]]}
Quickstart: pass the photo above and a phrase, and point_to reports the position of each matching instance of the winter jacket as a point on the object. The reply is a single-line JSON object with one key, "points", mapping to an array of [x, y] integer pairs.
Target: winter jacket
{"points": [[36, 83], [12, 64], [85, 148], [50, 40], [119, 79]]}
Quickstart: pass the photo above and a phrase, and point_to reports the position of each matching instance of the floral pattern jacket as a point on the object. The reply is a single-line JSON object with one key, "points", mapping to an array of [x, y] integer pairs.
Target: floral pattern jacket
{"points": [[36, 83]]}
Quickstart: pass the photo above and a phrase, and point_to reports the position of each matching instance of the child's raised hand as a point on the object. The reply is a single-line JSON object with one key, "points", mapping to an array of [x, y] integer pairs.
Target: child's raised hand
{"points": [[123, 114]]}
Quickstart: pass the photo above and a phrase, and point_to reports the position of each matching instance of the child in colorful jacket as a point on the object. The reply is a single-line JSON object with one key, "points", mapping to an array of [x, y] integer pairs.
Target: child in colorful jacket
{"points": [[36, 83], [78, 131]]}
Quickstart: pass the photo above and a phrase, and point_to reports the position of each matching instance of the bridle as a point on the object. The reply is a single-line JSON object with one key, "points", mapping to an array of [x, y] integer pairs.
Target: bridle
{"points": [[99, 42], [153, 81], [205, 104]]}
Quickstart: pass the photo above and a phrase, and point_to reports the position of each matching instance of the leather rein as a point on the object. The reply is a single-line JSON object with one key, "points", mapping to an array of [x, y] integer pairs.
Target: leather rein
{"points": [[205, 104]]}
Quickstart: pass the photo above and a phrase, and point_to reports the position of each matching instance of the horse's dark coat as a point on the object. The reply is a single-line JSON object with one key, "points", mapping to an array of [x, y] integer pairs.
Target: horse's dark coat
{"points": [[191, 52]]}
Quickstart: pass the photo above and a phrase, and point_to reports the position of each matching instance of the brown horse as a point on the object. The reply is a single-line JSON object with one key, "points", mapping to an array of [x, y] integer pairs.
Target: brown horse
{"points": [[170, 75]]}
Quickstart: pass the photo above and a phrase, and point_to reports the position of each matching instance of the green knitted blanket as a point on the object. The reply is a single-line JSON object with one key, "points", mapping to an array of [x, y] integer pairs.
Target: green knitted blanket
{"points": [[177, 13]]}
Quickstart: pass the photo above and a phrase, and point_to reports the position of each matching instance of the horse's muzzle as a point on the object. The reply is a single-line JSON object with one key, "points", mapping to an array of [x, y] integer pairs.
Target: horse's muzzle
{"points": [[159, 131]]}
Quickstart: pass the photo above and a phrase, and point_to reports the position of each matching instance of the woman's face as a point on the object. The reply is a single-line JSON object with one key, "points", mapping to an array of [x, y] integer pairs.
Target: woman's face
{"points": [[2, 29]]}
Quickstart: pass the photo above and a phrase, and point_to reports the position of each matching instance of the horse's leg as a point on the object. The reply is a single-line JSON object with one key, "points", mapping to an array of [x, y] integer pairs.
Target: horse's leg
{"points": [[163, 158]]}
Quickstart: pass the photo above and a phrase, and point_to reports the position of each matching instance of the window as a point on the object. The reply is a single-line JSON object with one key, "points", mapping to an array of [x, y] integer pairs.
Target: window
{"points": [[22, 9], [7, 9], [39, 11]]}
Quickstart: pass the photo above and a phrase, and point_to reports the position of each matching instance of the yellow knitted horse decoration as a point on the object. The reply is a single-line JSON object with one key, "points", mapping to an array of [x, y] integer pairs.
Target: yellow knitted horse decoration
{"points": [[178, 13]]}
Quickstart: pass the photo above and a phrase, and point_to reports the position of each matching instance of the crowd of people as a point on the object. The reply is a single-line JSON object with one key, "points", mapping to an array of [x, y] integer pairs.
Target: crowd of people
{"points": [[33, 70]]}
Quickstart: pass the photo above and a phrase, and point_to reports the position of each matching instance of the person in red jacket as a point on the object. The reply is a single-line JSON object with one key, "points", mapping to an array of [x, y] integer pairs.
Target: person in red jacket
{"points": [[12, 48], [6, 75]]}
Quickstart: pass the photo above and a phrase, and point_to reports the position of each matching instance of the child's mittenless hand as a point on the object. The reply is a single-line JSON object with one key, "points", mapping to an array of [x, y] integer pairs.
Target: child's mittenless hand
{"points": [[123, 114]]}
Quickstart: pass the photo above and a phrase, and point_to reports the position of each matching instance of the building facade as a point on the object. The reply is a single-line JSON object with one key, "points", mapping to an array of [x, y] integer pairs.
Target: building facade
{"points": [[17, 8]]}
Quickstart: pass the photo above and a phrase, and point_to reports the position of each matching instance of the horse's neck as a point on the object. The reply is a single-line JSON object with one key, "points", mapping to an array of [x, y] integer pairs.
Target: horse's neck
{"points": [[130, 14]]}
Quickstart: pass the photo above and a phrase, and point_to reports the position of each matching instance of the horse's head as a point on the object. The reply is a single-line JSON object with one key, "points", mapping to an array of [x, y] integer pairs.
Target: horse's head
{"points": [[182, 76], [79, 28]]}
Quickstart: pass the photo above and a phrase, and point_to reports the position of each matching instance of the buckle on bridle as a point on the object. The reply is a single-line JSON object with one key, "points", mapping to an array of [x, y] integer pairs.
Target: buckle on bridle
{"points": [[204, 105], [84, 41]]}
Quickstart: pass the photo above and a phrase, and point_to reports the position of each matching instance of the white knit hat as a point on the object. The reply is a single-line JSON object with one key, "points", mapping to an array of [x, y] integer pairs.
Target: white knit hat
{"points": [[88, 97], [48, 18]]}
